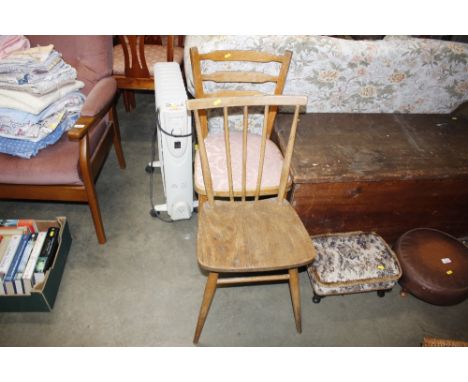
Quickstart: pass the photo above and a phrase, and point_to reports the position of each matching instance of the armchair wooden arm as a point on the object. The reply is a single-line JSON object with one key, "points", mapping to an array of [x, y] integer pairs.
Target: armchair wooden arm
{"points": [[81, 127]]}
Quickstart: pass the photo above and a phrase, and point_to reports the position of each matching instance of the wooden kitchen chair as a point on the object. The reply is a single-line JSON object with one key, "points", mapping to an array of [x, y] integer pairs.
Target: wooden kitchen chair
{"points": [[213, 142], [244, 236], [134, 59]]}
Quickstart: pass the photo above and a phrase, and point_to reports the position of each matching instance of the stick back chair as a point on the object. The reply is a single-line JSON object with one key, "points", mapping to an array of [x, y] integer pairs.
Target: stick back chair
{"points": [[134, 58], [273, 155], [245, 236]]}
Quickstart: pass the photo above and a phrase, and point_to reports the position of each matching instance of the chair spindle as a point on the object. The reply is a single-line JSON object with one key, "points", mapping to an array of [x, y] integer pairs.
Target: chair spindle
{"points": [[244, 152], [205, 166], [227, 146], [287, 156], [262, 151]]}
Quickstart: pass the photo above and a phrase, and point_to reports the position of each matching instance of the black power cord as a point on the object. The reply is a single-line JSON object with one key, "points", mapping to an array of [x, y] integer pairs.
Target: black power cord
{"points": [[153, 212]]}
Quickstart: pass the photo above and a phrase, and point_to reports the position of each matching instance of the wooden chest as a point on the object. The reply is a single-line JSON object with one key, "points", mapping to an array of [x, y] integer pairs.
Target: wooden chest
{"points": [[386, 173]]}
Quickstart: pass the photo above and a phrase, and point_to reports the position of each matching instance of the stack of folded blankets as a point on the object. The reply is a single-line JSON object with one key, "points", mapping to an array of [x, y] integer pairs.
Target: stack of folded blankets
{"points": [[39, 97]]}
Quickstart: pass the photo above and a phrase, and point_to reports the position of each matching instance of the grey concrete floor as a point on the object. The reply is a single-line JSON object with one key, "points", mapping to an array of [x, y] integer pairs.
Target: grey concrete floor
{"points": [[144, 287]]}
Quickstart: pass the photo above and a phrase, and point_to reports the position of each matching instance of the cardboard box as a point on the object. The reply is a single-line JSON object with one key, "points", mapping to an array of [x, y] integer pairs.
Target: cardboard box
{"points": [[42, 297]]}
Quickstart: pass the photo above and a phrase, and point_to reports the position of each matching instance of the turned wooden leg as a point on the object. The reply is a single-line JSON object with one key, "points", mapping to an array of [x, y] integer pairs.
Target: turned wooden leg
{"points": [[116, 138], [210, 290], [295, 297]]}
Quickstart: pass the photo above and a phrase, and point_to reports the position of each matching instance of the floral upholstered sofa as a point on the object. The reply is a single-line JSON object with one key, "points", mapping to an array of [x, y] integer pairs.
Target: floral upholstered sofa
{"points": [[383, 144], [395, 75]]}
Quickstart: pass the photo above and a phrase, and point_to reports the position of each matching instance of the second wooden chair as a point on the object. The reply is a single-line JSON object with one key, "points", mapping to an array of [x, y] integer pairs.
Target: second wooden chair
{"points": [[134, 59], [214, 142]]}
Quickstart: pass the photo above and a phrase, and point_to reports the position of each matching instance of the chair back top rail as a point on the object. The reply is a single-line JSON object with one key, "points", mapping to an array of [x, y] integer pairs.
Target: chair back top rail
{"points": [[201, 104], [242, 55], [134, 54]]}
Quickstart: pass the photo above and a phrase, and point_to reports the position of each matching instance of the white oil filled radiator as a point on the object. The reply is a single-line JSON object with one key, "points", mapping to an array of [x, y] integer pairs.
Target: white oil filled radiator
{"points": [[174, 141]]}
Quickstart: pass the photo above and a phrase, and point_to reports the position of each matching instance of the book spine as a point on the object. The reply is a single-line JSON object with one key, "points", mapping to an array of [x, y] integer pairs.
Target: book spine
{"points": [[9, 255], [4, 245], [18, 284], [17, 258], [29, 270], [48, 250], [9, 281]]}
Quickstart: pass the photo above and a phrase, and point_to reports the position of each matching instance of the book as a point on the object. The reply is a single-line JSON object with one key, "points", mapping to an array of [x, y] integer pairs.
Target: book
{"points": [[10, 275], [8, 222], [28, 274], [4, 231], [9, 254], [18, 280], [4, 240], [30, 224], [48, 251], [45, 260]]}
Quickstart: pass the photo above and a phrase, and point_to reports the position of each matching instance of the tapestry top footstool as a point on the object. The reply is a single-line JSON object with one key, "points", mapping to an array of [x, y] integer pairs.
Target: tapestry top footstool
{"points": [[351, 263]]}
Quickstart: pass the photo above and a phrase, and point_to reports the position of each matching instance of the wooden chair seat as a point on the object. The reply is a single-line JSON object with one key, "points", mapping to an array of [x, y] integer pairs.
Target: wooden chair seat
{"points": [[153, 54], [252, 237]]}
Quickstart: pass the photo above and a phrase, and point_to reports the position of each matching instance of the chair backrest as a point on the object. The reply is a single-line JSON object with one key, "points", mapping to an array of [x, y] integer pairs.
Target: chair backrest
{"points": [[252, 77], [134, 53], [91, 56], [198, 105]]}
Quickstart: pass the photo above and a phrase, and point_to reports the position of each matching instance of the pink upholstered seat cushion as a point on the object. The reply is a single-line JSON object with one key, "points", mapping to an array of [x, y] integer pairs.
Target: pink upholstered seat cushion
{"points": [[216, 152], [153, 54]]}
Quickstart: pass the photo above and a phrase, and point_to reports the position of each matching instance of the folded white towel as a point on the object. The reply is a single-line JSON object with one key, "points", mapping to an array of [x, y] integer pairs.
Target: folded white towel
{"points": [[36, 54], [33, 104]]}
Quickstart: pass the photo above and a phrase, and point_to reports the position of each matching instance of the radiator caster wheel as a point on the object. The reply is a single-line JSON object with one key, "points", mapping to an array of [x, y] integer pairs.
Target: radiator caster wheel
{"points": [[149, 169], [316, 299]]}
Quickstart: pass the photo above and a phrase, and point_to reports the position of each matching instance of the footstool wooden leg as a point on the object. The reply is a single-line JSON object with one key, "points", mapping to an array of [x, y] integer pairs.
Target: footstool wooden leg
{"points": [[403, 292]]}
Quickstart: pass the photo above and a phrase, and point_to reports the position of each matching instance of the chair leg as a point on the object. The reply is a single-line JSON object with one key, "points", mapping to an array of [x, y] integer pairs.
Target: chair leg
{"points": [[128, 100], [210, 290], [96, 213], [116, 139], [201, 199], [295, 297], [90, 190]]}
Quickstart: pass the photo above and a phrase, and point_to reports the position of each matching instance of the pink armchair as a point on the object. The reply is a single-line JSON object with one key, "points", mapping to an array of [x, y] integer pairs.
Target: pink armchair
{"points": [[67, 170]]}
